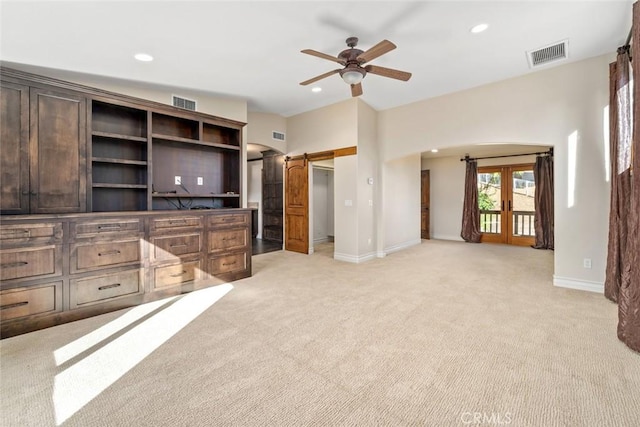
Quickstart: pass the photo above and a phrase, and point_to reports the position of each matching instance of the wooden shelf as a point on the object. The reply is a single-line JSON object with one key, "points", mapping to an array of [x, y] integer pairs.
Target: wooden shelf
{"points": [[108, 185], [118, 161], [119, 136], [194, 141]]}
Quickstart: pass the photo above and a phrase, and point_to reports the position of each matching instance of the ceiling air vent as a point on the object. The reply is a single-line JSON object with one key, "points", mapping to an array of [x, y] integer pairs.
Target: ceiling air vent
{"points": [[545, 55], [187, 104], [278, 135]]}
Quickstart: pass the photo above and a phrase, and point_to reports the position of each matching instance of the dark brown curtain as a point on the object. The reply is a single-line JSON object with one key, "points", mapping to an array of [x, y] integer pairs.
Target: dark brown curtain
{"points": [[620, 136], [543, 219], [470, 210], [629, 292]]}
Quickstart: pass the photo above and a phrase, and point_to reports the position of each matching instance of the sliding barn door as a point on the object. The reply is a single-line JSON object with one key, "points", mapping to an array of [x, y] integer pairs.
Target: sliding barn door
{"points": [[296, 206]]}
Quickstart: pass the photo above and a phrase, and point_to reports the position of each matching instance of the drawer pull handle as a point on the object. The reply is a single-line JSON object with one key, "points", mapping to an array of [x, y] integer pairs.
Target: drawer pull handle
{"points": [[114, 252], [15, 305], [14, 264], [229, 263], [109, 227], [179, 274], [181, 222], [102, 288], [180, 245]]}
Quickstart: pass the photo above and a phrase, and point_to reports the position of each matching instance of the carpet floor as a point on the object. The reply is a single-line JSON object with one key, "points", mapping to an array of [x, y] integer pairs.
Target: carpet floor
{"points": [[440, 334]]}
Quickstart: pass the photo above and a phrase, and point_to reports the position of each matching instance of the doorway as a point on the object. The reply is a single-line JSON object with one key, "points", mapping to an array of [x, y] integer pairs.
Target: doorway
{"points": [[425, 217], [506, 197], [321, 215]]}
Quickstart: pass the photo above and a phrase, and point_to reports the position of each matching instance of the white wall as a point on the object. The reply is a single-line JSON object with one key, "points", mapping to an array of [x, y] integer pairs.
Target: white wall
{"points": [[401, 199], [346, 217], [254, 189], [260, 128], [545, 107], [367, 168], [320, 194]]}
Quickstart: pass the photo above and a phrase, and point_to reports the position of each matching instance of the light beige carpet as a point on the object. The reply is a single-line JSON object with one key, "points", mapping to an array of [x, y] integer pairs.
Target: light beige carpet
{"points": [[441, 334]]}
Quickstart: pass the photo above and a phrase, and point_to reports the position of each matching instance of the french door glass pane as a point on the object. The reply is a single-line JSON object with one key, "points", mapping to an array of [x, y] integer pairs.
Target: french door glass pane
{"points": [[490, 202], [523, 194]]}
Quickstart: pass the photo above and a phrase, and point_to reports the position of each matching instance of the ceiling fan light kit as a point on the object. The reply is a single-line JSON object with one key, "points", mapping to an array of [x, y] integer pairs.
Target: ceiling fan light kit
{"points": [[352, 59]]}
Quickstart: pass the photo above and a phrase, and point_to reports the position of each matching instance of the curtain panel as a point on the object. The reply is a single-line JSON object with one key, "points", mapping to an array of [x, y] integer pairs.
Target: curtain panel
{"points": [[629, 294], [620, 137], [470, 209], [543, 202]]}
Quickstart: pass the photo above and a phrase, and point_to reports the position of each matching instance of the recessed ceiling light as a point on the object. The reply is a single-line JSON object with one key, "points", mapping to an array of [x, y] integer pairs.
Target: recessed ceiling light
{"points": [[316, 89], [144, 57], [479, 28], [435, 150]]}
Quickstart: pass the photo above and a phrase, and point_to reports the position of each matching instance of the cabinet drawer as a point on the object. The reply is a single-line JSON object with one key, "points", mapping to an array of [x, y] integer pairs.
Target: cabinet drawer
{"points": [[13, 234], [228, 263], [30, 262], [101, 255], [223, 240], [170, 247], [229, 219], [97, 289], [41, 299], [175, 223], [174, 275], [107, 227]]}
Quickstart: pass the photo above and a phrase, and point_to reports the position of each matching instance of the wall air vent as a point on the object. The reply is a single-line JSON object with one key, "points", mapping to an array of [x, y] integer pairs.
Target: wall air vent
{"points": [[187, 104], [548, 54], [279, 136]]}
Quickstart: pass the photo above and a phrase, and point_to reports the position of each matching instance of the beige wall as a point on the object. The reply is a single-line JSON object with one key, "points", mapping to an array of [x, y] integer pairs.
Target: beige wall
{"points": [[323, 129], [367, 168], [547, 108], [260, 128]]}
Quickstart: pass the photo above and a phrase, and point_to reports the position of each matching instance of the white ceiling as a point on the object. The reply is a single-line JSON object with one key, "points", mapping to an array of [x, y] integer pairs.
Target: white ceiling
{"points": [[251, 49]]}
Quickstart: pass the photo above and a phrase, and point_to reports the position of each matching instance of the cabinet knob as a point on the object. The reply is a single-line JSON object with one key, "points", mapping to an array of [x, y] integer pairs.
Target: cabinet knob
{"points": [[33, 193], [25, 193]]}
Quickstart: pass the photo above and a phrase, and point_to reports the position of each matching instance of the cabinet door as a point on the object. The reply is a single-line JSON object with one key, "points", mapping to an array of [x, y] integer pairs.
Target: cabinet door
{"points": [[14, 156], [57, 144]]}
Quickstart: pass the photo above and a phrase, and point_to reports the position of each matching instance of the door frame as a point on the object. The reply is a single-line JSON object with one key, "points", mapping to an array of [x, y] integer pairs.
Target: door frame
{"points": [[300, 213], [506, 196]]}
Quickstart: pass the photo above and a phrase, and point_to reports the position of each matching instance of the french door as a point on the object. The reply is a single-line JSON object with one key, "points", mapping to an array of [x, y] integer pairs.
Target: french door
{"points": [[506, 197]]}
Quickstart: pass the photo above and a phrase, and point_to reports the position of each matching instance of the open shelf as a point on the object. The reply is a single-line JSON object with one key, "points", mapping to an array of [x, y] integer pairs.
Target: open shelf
{"points": [[220, 135], [118, 161], [177, 127], [111, 185], [119, 136], [118, 121], [193, 196]]}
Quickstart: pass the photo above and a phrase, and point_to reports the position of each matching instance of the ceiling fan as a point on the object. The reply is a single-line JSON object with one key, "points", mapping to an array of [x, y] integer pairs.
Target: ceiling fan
{"points": [[353, 60]]}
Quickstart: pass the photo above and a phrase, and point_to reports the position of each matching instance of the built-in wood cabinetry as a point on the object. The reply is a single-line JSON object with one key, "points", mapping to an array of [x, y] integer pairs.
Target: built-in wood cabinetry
{"points": [[93, 218], [59, 268], [43, 149]]}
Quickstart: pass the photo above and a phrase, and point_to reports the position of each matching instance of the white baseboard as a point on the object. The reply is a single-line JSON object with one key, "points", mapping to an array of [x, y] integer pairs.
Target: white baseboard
{"points": [[321, 240], [400, 246], [447, 237], [581, 285], [354, 258]]}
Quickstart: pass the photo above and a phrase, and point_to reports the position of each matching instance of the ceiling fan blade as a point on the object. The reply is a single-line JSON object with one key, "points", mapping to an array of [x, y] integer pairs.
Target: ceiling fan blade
{"points": [[378, 50], [388, 72], [323, 56], [356, 90], [320, 77]]}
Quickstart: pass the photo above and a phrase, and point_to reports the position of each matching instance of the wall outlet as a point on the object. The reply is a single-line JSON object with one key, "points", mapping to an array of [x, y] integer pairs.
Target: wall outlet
{"points": [[178, 180], [370, 202], [200, 180], [348, 202], [587, 263]]}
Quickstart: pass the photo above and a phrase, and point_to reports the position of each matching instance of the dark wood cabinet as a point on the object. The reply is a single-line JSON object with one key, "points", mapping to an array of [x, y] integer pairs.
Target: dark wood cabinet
{"points": [[43, 150], [56, 269], [272, 185], [82, 169], [14, 162], [57, 148]]}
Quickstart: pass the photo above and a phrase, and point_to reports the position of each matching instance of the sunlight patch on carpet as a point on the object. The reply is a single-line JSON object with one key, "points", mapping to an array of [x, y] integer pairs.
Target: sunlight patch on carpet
{"points": [[85, 380]]}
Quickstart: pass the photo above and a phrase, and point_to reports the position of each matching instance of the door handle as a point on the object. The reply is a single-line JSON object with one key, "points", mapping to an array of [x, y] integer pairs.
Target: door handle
{"points": [[502, 206], [509, 205]]}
